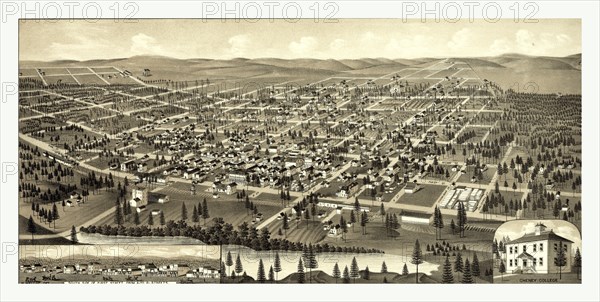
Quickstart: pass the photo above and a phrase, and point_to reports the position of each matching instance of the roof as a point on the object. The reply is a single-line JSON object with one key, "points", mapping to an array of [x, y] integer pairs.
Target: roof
{"points": [[416, 214], [543, 236]]}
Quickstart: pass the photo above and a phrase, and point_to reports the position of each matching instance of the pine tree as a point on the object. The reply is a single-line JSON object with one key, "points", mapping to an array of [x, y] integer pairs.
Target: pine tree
{"points": [[458, 263], [475, 270], [31, 227], [300, 272], [195, 217], [367, 273], [336, 272], [561, 259], [502, 269], [136, 218], [277, 265], [467, 277], [205, 214], [118, 213], [238, 265], [161, 218], [184, 214], [417, 258], [384, 267], [447, 276], [271, 277], [55, 214], [228, 261], [260, 275], [404, 270], [346, 275], [150, 219], [310, 261], [354, 269], [577, 263]]}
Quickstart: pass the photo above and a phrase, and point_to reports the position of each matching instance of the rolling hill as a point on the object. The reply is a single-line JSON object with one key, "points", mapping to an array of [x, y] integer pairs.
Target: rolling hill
{"points": [[550, 74]]}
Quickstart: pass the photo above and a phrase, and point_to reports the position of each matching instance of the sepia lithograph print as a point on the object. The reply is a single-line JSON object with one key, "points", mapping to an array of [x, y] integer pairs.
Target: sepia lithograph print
{"points": [[362, 151]]}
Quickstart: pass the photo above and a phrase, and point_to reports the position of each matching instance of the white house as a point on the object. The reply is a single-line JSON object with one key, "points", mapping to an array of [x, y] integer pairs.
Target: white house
{"points": [[535, 252]]}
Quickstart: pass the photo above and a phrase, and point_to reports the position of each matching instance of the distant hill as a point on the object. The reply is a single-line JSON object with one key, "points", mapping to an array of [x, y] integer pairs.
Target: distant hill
{"points": [[551, 74]]}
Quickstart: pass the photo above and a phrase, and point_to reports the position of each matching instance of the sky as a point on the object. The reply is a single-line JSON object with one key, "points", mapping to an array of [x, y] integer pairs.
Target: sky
{"points": [[347, 39]]}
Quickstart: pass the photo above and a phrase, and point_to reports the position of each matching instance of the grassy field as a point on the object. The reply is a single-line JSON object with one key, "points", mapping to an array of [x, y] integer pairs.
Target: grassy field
{"points": [[78, 214]]}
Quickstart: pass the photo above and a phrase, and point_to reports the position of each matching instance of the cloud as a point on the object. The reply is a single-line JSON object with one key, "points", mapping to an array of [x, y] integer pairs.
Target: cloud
{"points": [[461, 39], [79, 49], [239, 45], [305, 46], [144, 44], [337, 44], [500, 46], [524, 39]]}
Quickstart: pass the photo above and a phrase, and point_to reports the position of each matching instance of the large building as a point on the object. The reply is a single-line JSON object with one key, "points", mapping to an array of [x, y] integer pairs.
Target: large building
{"points": [[535, 252]]}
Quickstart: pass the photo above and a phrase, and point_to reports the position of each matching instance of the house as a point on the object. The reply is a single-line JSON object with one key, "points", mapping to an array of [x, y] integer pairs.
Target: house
{"points": [[238, 177], [415, 217], [158, 198], [411, 188], [139, 197], [535, 252], [348, 190]]}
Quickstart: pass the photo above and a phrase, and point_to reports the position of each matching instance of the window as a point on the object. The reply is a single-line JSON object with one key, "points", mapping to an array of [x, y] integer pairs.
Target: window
{"points": [[541, 247], [556, 246], [534, 249], [534, 262], [524, 248], [510, 263], [541, 261], [510, 249]]}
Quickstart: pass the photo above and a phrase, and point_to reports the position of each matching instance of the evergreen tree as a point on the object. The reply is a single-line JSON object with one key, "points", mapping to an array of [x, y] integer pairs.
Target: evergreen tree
{"points": [[271, 277], [55, 214], [195, 216], [300, 272], [502, 269], [277, 265], [31, 227], [561, 259], [467, 277], [346, 275], [310, 261], [458, 263], [475, 271], [447, 276], [367, 273], [260, 275], [118, 213], [184, 213], [336, 272], [417, 258], [150, 219], [384, 267], [354, 269], [404, 270], [238, 265], [228, 261], [161, 218], [205, 214], [577, 262], [136, 218], [352, 219]]}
